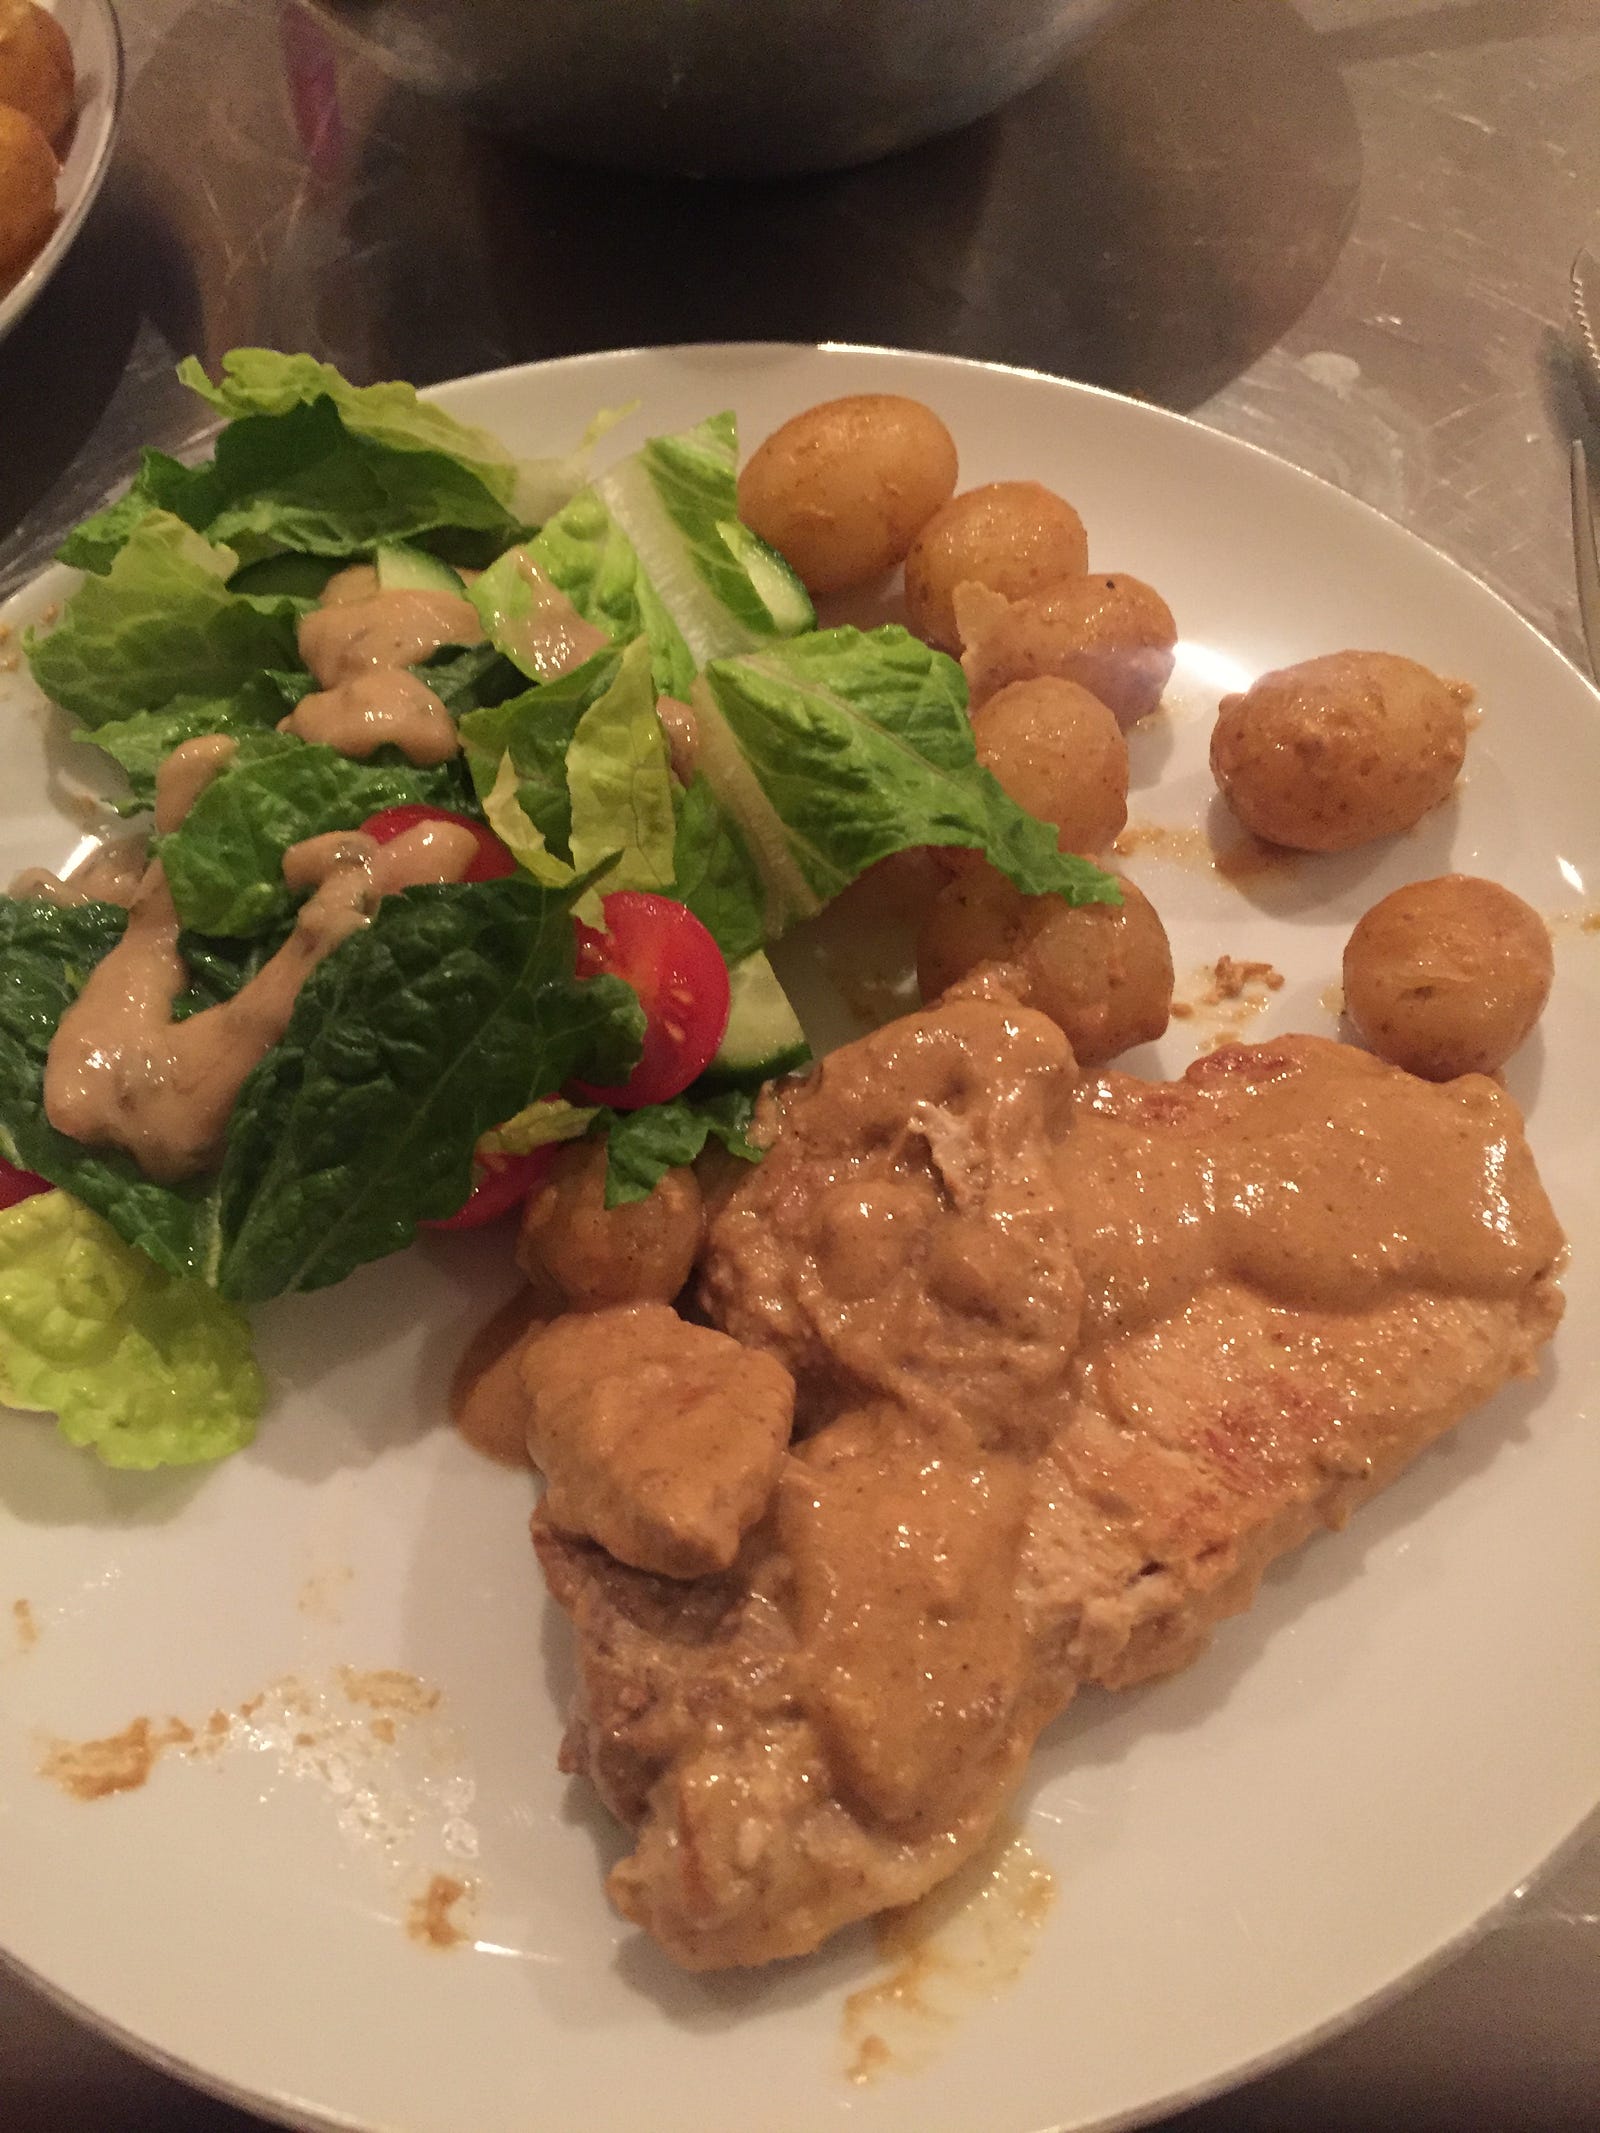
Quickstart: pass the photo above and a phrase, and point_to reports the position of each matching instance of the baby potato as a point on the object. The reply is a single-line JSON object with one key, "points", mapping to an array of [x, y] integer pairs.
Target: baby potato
{"points": [[1101, 972], [36, 74], [1447, 977], [843, 490], [1336, 751], [596, 1255], [1016, 537], [1113, 636], [1060, 754], [27, 191]]}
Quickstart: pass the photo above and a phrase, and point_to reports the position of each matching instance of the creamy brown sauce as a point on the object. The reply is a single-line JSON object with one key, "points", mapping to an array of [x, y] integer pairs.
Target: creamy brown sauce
{"points": [[431, 1919], [26, 1624], [551, 638], [376, 630], [388, 1688], [388, 707], [683, 736], [110, 874], [360, 643], [1076, 1359], [121, 1762], [945, 1955], [1246, 859], [487, 1402], [122, 1073], [186, 773], [1556, 922]]}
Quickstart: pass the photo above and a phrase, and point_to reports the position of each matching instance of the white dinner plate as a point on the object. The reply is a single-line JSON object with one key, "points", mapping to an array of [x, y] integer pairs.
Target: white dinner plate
{"points": [[92, 32], [1406, 1724]]}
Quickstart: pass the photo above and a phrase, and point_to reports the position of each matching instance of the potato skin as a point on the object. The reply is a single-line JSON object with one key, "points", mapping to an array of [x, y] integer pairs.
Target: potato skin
{"points": [[1060, 754], [1340, 750], [1448, 976], [36, 72], [1016, 537], [1101, 972], [640, 1253], [842, 490], [27, 191], [1113, 635]]}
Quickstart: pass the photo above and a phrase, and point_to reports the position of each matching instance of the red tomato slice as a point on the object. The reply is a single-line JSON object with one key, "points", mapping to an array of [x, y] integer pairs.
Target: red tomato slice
{"points": [[501, 1183], [18, 1184], [493, 860], [676, 968]]}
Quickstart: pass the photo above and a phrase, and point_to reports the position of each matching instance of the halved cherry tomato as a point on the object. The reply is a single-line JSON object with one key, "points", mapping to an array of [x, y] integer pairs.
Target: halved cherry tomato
{"points": [[676, 968], [501, 1183], [18, 1184], [493, 860]]}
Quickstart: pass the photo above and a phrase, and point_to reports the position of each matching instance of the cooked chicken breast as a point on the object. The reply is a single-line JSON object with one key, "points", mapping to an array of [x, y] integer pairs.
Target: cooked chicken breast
{"points": [[1075, 1361]]}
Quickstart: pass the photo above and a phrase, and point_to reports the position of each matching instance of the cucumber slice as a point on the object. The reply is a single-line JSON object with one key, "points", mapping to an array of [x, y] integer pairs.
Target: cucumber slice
{"points": [[404, 569], [763, 1037], [782, 594]]}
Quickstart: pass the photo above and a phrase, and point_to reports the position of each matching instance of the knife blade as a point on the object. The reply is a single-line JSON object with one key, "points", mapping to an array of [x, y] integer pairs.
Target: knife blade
{"points": [[1586, 555]]}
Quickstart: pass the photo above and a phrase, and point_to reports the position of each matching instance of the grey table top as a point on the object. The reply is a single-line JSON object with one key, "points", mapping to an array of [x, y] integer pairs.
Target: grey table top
{"points": [[1340, 229]]}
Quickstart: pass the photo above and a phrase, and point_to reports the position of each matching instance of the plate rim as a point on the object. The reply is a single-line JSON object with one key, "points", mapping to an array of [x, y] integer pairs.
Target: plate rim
{"points": [[283, 2109]]}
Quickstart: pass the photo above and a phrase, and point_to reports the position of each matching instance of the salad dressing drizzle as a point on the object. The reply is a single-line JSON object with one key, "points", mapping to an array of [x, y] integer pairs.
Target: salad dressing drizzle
{"points": [[122, 1073], [360, 643], [387, 706], [186, 773], [111, 874]]}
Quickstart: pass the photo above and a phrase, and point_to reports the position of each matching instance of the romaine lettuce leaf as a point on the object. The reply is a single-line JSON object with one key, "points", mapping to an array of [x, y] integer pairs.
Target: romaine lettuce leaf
{"points": [[46, 954], [834, 750], [518, 832], [642, 1146], [260, 381], [677, 500], [161, 623], [141, 744], [586, 555], [161, 484], [141, 1366], [224, 863], [535, 729], [451, 1012], [715, 876], [619, 782], [540, 1125]]}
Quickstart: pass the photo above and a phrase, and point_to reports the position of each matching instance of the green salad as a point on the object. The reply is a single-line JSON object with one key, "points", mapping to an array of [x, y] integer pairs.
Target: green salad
{"points": [[465, 1023]]}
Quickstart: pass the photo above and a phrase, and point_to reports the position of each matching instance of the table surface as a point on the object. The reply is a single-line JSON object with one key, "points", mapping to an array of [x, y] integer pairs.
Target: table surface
{"points": [[1339, 229]]}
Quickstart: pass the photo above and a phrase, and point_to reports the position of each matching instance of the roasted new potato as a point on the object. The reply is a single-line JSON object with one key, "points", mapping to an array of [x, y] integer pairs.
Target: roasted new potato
{"points": [[1101, 972], [1016, 537], [1447, 977], [843, 490], [1337, 751], [27, 191], [36, 73], [1060, 754], [597, 1255], [1113, 635]]}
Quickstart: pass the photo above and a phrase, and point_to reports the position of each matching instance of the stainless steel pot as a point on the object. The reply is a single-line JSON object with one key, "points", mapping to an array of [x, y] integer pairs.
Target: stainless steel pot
{"points": [[737, 88]]}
